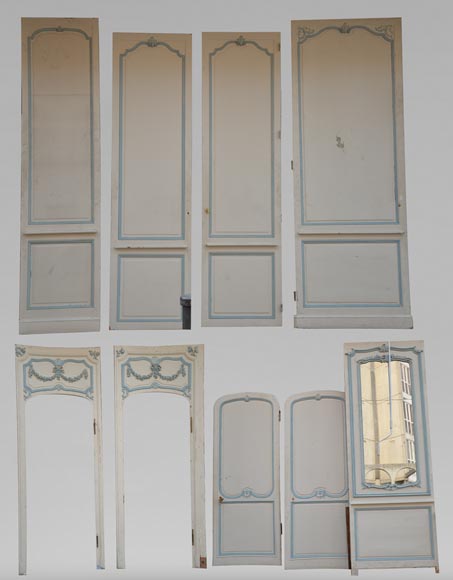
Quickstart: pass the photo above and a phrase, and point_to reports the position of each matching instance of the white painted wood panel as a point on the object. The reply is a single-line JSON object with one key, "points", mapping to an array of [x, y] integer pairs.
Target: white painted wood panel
{"points": [[60, 176], [390, 477], [59, 371], [246, 495], [348, 117], [241, 179], [151, 179], [174, 370], [317, 489]]}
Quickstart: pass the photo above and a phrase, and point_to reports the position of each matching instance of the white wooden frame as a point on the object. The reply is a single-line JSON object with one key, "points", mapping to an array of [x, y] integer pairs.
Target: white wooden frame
{"points": [[320, 497], [156, 250], [232, 251], [50, 379], [60, 244], [248, 495], [174, 370], [332, 239], [410, 500]]}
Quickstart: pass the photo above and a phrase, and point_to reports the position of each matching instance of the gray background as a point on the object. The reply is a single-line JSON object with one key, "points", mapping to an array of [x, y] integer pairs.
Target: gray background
{"points": [[282, 361]]}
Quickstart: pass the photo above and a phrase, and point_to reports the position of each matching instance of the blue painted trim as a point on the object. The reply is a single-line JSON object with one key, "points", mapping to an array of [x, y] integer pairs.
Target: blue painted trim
{"points": [[185, 390], [30, 127], [221, 553], [320, 491], [297, 556], [416, 400], [152, 43], [394, 558], [29, 274], [246, 492], [29, 391], [390, 40], [240, 317], [118, 286], [337, 305], [242, 42]]}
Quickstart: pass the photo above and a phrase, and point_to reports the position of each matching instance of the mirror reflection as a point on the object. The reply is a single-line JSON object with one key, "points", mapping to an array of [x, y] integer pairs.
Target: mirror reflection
{"points": [[388, 424]]}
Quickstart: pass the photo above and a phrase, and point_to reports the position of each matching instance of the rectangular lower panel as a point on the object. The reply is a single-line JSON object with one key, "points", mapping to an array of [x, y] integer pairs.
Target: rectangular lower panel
{"points": [[318, 535], [242, 285], [393, 535], [246, 529], [149, 287]]}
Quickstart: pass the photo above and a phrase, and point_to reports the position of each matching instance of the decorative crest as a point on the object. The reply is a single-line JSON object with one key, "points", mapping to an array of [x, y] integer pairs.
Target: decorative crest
{"points": [[119, 352], [345, 28], [303, 33], [240, 41], [94, 354], [20, 350], [152, 42], [386, 30], [192, 350]]}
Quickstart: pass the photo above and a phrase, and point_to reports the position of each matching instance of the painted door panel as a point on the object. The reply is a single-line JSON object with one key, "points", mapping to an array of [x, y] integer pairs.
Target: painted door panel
{"points": [[174, 370], [246, 480], [316, 481], [241, 179], [59, 371], [60, 176], [391, 500], [151, 179], [351, 241]]}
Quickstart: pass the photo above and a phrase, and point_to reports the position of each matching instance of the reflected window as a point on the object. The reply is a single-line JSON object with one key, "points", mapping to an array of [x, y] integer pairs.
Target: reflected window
{"points": [[388, 423]]}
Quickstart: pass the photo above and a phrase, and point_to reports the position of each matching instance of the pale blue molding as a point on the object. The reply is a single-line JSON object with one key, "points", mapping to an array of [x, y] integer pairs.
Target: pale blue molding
{"points": [[32, 243], [327, 555], [241, 316], [245, 553], [145, 319], [30, 126], [241, 41], [246, 492], [151, 42], [319, 492], [155, 379], [403, 558], [340, 241], [389, 490], [386, 33], [58, 374]]}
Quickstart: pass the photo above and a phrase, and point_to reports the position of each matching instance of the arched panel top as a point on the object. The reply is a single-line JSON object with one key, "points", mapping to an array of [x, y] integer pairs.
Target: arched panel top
{"points": [[42, 371], [316, 435], [247, 440]]}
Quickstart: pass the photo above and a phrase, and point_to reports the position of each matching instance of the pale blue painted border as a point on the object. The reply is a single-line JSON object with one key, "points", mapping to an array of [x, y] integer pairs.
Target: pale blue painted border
{"points": [[390, 40], [220, 553], [240, 317], [186, 390], [432, 556], [241, 41], [318, 492], [29, 274], [30, 127], [352, 304], [152, 43], [415, 402], [246, 492], [30, 391], [297, 556], [118, 286]]}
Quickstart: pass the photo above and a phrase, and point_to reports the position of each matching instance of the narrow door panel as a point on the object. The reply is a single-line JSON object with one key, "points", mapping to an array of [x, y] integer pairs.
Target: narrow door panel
{"points": [[246, 480], [316, 481]]}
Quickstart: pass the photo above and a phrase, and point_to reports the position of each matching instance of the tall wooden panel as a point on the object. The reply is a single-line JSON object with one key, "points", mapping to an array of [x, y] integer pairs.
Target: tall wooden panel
{"points": [[175, 370], [246, 494], [151, 179], [350, 201], [241, 179], [391, 490], [317, 491], [59, 371], [60, 176]]}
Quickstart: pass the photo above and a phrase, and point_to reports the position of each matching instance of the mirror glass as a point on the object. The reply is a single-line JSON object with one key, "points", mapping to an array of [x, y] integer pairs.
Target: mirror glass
{"points": [[388, 424]]}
